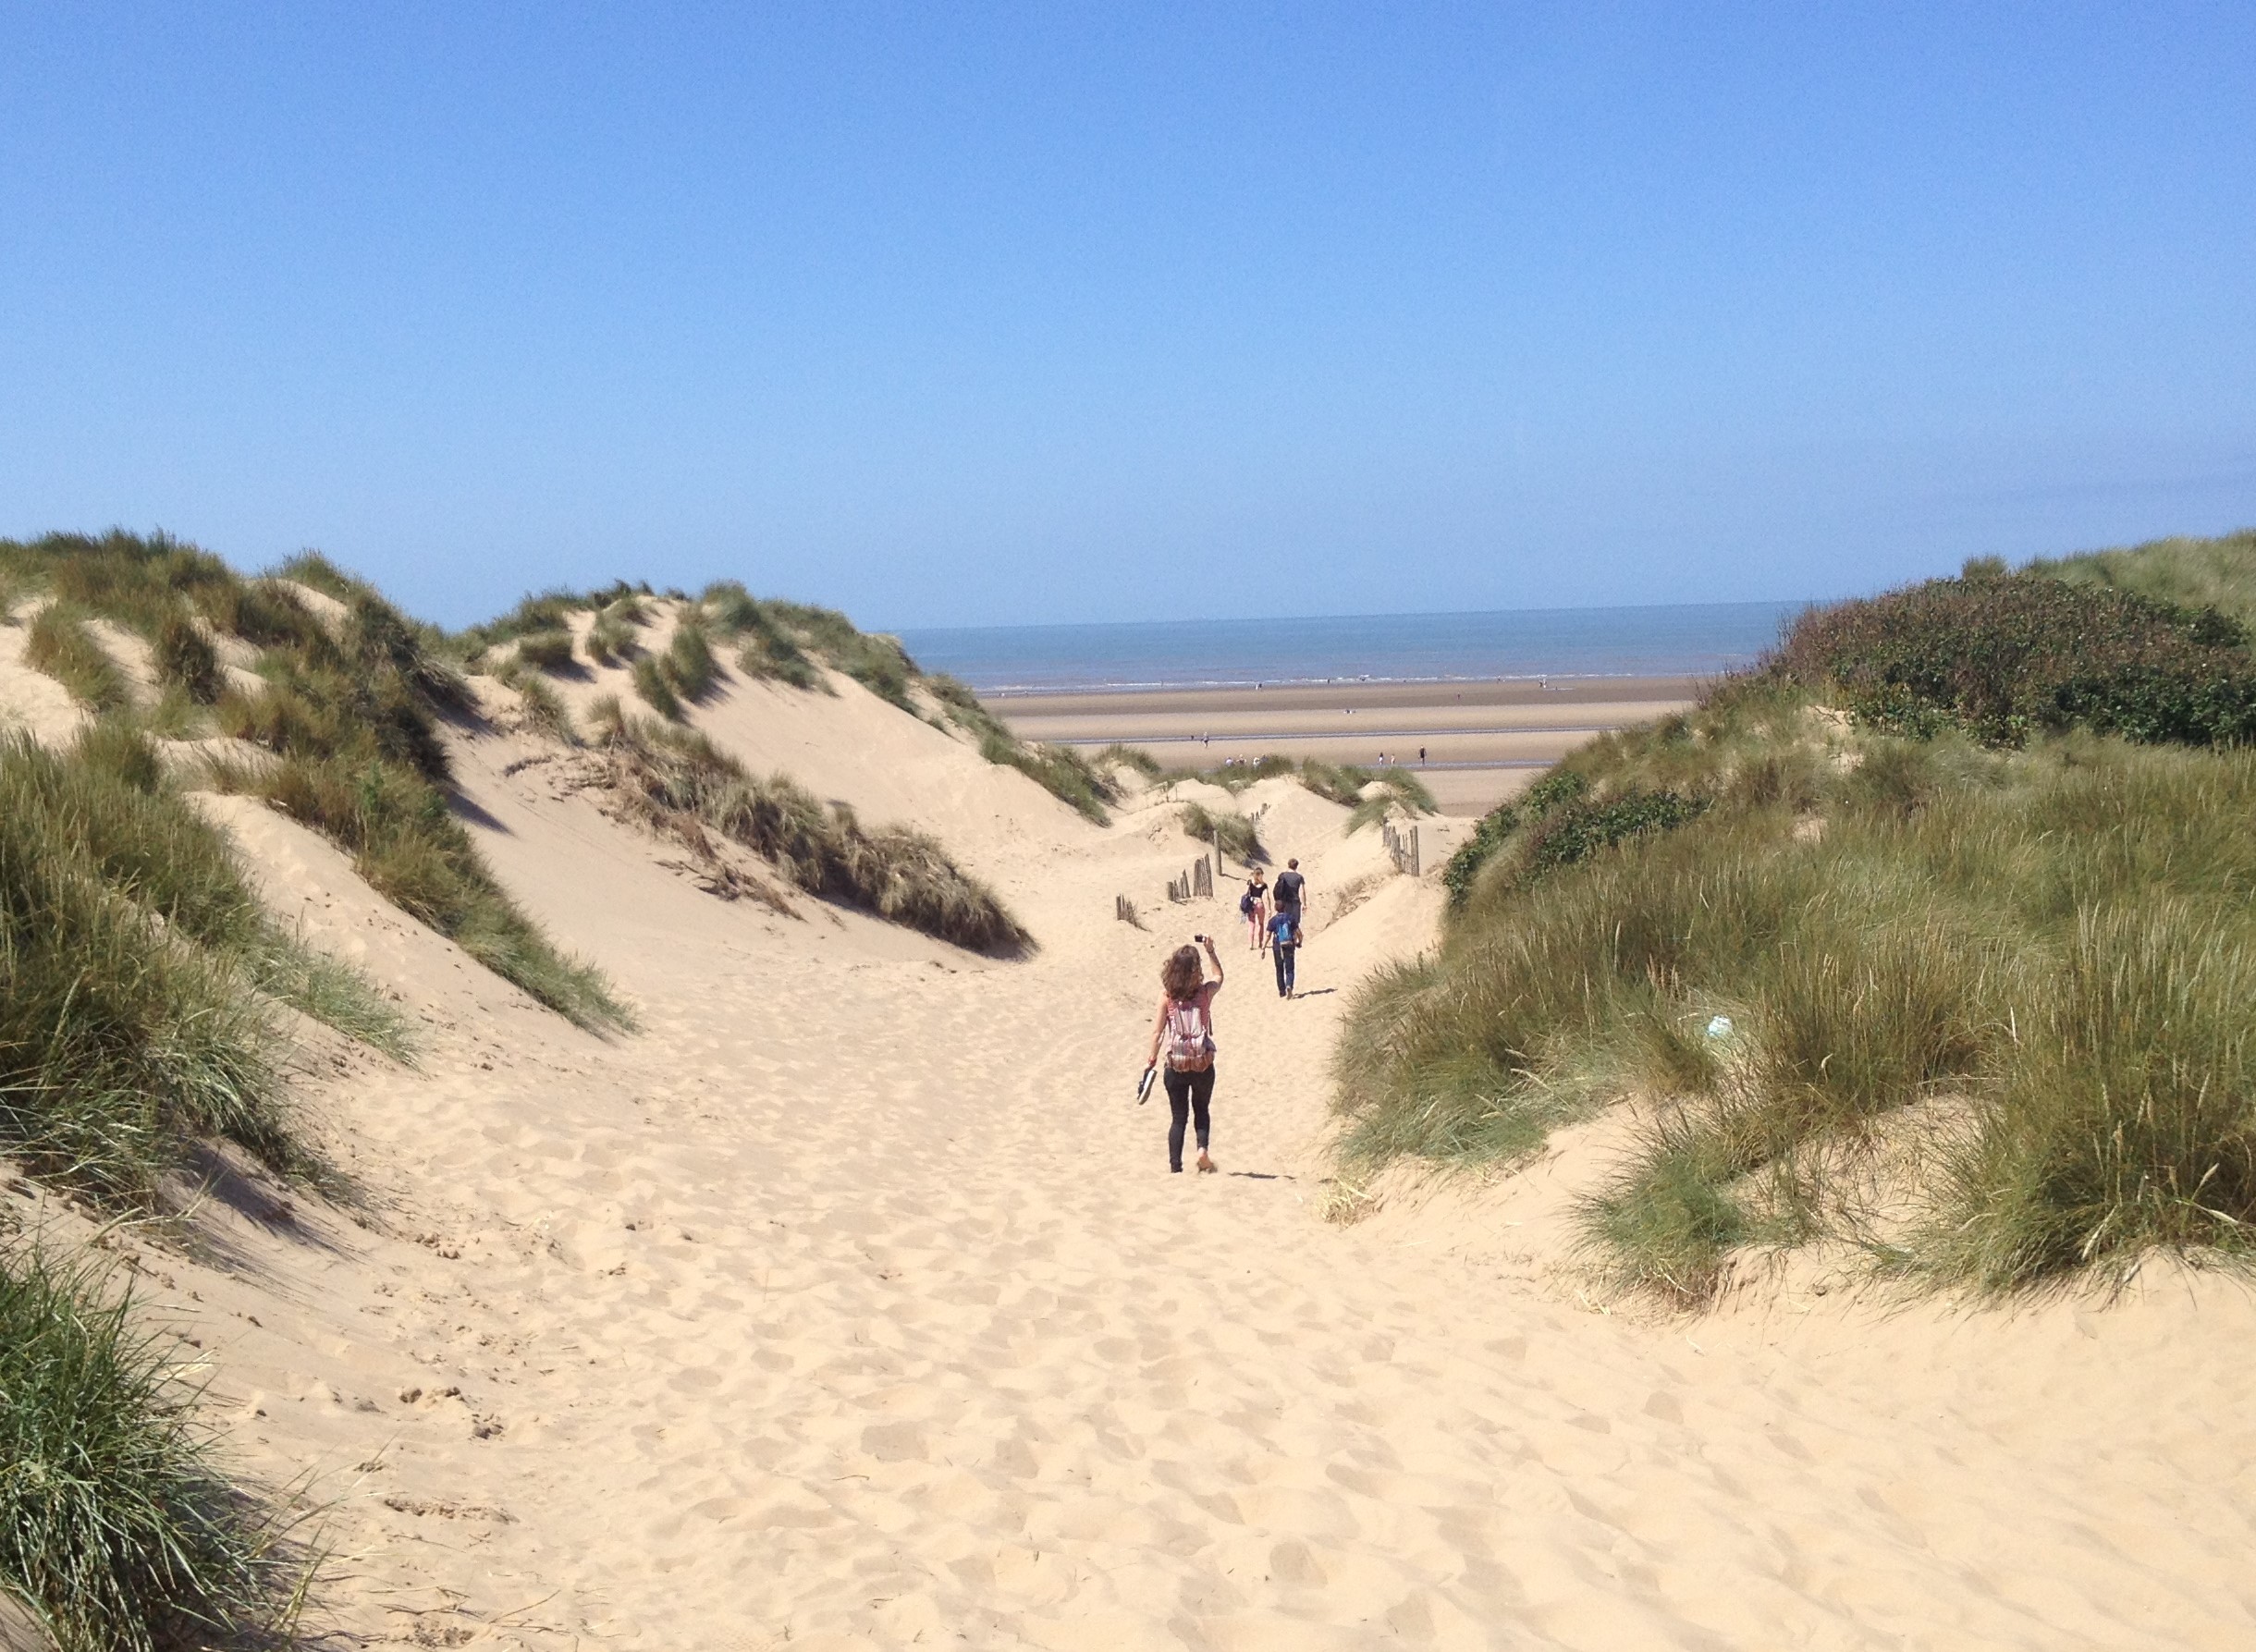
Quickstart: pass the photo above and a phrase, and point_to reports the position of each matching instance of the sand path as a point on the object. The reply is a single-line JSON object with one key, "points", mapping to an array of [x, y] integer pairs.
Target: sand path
{"points": [[851, 1304]]}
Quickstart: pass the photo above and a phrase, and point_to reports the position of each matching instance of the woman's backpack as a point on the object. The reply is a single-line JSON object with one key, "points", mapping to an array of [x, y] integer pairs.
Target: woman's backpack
{"points": [[1189, 1047]]}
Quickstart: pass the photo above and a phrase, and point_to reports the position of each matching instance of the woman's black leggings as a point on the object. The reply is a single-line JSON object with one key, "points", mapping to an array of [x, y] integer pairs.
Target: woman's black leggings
{"points": [[1188, 1095]]}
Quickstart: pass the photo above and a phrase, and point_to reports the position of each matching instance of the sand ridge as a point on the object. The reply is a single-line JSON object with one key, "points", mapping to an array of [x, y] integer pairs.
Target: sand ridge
{"points": [[849, 1304]]}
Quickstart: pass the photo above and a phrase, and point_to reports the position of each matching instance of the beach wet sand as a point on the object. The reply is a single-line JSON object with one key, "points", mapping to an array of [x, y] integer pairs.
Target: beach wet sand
{"points": [[1473, 743]]}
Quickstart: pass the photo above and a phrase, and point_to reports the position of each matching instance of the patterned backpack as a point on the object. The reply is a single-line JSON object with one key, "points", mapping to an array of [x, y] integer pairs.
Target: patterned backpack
{"points": [[1189, 1044]]}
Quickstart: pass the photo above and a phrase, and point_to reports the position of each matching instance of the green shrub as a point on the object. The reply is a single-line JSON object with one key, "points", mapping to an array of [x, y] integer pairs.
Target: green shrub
{"points": [[773, 655], [879, 664], [1577, 831], [1341, 783], [2046, 938], [1061, 771], [121, 1042], [1399, 791], [2006, 657], [321, 711], [350, 712], [1492, 831], [116, 1528], [267, 615], [729, 608], [537, 613], [2127, 1116]]}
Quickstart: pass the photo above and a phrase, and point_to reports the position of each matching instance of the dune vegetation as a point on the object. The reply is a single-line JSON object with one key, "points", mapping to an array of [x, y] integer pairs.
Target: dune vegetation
{"points": [[345, 712], [145, 997], [1232, 833], [766, 640], [2192, 573], [1370, 795], [1931, 939], [679, 782], [138, 977], [118, 1529]]}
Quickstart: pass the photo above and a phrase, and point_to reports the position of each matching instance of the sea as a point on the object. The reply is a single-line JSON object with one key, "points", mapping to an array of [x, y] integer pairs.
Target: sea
{"points": [[1676, 640]]}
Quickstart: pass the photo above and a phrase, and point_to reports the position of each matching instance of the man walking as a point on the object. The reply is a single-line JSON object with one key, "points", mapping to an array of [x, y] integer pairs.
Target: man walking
{"points": [[1286, 894], [1289, 890]]}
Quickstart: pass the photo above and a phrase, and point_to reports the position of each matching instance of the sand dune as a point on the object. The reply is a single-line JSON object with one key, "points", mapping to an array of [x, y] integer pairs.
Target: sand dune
{"points": [[851, 1304]]}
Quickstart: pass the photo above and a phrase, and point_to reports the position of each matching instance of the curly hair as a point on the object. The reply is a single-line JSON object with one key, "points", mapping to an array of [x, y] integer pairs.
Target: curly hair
{"points": [[1180, 975]]}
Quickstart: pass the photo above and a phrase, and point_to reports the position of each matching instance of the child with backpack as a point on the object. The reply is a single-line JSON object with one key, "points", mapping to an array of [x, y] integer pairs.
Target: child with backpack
{"points": [[1284, 947], [1183, 1032]]}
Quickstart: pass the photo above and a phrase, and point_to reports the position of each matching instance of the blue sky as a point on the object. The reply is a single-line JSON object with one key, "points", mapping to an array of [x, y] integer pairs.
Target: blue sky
{"points": [[987, 313]]}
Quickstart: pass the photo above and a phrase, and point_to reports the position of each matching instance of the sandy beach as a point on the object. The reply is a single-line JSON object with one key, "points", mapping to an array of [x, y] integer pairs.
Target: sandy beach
{"points": [[849, 1304], [1481, 741]]}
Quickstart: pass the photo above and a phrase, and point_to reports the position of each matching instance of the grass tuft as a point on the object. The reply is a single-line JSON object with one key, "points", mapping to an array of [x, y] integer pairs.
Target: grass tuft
{"points": [[186, 659], [688, 664], [126, 1029], [60, 646], [1135, 758], [116, 1527], [1233, 833], [540, 706], [656, 690], [545, 650]]}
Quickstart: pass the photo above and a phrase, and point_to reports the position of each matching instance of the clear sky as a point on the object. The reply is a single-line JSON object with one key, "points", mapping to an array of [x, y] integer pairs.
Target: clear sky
{"points": [[962, 313]]}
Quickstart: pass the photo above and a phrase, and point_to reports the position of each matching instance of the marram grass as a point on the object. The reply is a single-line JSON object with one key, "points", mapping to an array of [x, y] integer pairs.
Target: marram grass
{"points": [[119, 1530], [2020, 978]]}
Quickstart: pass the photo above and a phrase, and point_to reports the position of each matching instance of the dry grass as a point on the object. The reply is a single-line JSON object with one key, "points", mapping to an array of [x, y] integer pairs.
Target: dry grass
{"points": [[671, 776]]}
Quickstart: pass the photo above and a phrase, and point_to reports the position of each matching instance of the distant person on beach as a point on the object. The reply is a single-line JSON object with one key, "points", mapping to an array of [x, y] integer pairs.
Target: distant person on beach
{"points": [[1290, 889], [1184, 1033], [1254, 903], [1284, 947]]}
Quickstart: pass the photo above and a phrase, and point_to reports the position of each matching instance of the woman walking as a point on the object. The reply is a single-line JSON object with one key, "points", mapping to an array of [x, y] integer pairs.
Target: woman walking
{"points": [[1183, 1032], [1254, 903]]}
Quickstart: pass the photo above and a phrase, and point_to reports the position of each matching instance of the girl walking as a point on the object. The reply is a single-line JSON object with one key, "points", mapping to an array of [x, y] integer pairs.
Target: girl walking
{"points": [[1183, 1032], [1254, 903]]}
